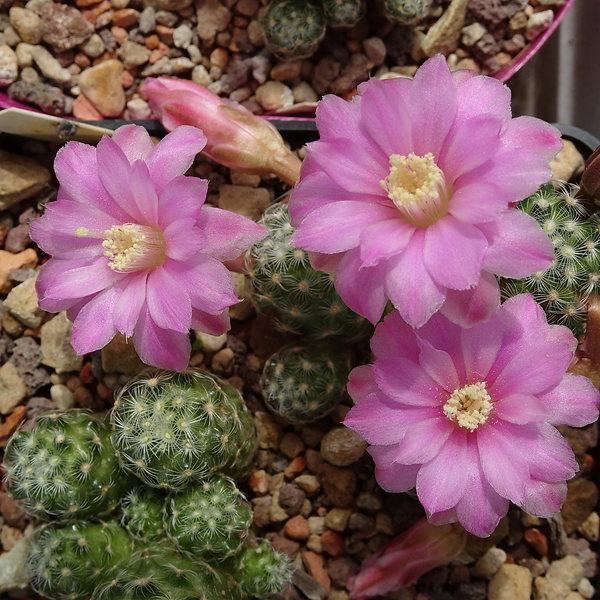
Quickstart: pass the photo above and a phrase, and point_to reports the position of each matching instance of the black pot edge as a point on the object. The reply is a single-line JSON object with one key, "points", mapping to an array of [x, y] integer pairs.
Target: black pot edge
{"points": [[584, 141]]}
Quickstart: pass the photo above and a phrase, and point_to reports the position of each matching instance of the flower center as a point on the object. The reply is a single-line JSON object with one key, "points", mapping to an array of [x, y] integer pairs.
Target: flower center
{"points": [[133, 247], [469, 406], [417, 187]]}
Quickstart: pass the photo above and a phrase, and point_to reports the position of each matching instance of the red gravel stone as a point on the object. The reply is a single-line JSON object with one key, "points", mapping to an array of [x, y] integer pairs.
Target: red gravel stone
{"points": [[126, 17], [332, 543], [296, 466], [537, 540], [11, 423], [315, 565], [284, 545], [259, 482], [297, 528]]}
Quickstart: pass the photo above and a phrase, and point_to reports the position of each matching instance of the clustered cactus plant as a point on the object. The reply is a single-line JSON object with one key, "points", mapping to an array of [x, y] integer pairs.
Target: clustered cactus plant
{"points": [[173, 541], [563, 289], [406, 11]]}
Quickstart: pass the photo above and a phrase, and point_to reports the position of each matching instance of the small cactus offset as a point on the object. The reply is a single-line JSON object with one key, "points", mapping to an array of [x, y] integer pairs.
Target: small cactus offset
{"points": [[261, 570], [406, 11], [303, 300], [212, 518], [172, 429], [65, 468], [165, 574], [70, 562], [343, 13], [294, 28], [305, 382], [563, 289], [143, 515]]}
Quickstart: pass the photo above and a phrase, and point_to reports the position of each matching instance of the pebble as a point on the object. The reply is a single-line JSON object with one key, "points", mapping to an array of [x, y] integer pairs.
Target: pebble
{"points": [[12, 388], [49, 66], [291, 445], [303, 92], [537, 23], [568, 163], [182, 36], [276, 512], [212, 17], [472, 33], [297, 528], [22, 302], [487, 566], [64, 27], [585, 588], [57, 352], [314, 543], [17, 238], [11, 423], [101, 84], [590, 528], [27, 259], [337, 518], [21, 177], [94, 47], [444, 35], [126, 17], [9, 536], [9, 70], [11, 37], [119, 356], [84, 109], [47, 98], [582, 498], [308, 483], [62, 396], [315, 565], [211, 343], [15, 574], [342, 447], [333, 543], [27, 24], [568, 570], [537, 540], [375, 50], [550, 589], [511, 582], [147, 21], [291, 498], [274, 95], [24, 54], [268, 431], [341, 569], [250, 202], [137, 108]]}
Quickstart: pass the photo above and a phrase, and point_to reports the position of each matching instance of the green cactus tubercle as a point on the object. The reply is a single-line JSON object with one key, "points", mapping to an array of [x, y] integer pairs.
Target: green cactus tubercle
{"points": [[343, 13], [65, 468], [293, 28], [305, 382], [172, 429], [406, 11]]}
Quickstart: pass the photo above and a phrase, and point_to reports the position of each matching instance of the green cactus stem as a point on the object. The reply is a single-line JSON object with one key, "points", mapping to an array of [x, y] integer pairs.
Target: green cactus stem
{"points": [[65, 468], [305, 382], [406, 11], [172, 429], [293, 28], [143, 514], [343, 13]]}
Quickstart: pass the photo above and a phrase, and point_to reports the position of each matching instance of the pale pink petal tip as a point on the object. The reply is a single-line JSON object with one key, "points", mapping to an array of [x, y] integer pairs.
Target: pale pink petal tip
{"points": [[432, 244], [130, 194], [468, 416]]}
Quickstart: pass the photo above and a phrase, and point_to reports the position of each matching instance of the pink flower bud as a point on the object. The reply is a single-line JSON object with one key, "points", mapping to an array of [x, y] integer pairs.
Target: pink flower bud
{"points": [[236, 138], [407, 557]]}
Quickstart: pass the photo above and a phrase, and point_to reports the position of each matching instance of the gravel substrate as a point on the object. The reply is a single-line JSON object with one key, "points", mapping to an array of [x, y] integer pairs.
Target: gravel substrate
{"points": [[87, 58], [312, 487]]}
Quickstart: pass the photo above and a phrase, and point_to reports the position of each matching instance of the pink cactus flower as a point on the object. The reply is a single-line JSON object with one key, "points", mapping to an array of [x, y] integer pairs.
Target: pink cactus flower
{"points": [[468, 416], [408, 556], [236, 138], [133, 248], [409, 194]]}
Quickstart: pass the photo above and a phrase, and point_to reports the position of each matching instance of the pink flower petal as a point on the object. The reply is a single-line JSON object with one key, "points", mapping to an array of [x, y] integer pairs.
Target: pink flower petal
{"points": [[550, 455], [361, 383], [361, 289], [480, 346], [183, 239], [439, 366], [409, 285], [144, 194], [79, 159], [336, 117], [382, 240], [346, 218], [227, 234], [505, 467], [94, 328], [518, 245], [519, 409], [395, 337], [482, 96], [169, 305], [390, 98], [475, 305], [182, 197], [355, 167], [174, 155], [441, 482], [411, 450], [131, 298], [406, 382], [544, 499], [433, 102], [212, 324], [476, 201], [134, 141], [573, 401], [391, 476], [453, 253]]}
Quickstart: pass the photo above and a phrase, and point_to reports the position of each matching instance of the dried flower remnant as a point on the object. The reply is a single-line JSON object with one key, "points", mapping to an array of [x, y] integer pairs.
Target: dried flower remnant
{"points": [[235, 137], [469, 416], [408, 556], [134, 249], [409, 194]]}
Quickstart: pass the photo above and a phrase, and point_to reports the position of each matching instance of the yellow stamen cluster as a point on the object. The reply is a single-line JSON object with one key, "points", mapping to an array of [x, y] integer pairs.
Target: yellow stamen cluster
{"points": [[132, 247], [469, 406], [417, 187]]}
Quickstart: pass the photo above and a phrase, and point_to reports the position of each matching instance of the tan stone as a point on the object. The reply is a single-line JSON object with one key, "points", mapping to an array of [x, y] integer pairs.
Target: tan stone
{"points": [[101, 84], [22, 302], [20, 177], [511, 582], [443, 37], [12, 388], [27, 259], [568, 163], [55, 343], [212, 17], [119, 356], [250, 202]]}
